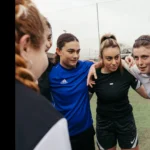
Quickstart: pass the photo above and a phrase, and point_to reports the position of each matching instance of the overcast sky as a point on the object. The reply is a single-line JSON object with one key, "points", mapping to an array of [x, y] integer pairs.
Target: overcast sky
{"points": [[127, 19]]}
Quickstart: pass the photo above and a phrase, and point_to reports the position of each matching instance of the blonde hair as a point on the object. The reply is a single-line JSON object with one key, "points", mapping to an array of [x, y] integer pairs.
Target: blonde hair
{"points": [[29, 21], [108, 40]]}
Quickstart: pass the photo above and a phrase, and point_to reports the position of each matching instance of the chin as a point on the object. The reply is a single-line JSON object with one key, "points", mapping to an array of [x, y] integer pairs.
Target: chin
{"points": [[144, 71], [73, 66], [112, 70]]}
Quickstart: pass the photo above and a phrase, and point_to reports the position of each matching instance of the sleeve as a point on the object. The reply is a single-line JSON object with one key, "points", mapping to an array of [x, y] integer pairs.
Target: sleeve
{"points": [[91, 89], [88, 63], [44, 83], [132, 70], [56, 138], [135, 84]]}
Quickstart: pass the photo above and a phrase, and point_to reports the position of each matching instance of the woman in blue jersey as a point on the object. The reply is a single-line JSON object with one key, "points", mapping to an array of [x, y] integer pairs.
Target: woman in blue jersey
{"points": [[69, 92], [114, 118]]}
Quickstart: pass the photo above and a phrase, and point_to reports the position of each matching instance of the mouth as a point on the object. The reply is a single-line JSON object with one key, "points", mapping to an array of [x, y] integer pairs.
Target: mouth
{"points": [[142, 68], [114, 68], [74, 61]]}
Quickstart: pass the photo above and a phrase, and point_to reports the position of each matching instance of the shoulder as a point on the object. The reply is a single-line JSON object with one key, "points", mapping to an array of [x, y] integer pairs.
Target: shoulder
{"points": [[59, 132], [33, 102], [85, 63], [35, 116]]}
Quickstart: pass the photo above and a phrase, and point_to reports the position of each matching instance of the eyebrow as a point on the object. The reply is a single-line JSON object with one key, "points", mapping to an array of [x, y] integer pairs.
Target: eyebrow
{"points": [[71, 49], [141, 56], [112, 56], [144, 55]]}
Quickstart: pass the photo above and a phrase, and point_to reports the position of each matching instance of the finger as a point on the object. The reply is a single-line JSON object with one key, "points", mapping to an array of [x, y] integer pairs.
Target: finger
{"points": [[95, 75], [90, 85], [130, 64], [88, 80]]}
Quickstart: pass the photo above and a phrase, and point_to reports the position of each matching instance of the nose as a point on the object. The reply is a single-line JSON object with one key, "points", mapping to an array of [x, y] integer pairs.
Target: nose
{"points": [[49, 44], [114, 62], [140, 62], [76, 55]]}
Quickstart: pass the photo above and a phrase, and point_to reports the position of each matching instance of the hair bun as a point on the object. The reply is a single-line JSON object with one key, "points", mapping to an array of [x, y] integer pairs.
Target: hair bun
{"points": [[108, 36]]}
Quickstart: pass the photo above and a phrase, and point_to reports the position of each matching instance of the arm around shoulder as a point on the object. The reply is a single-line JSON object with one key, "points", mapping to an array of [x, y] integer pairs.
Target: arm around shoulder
{"points": [[141, 91]]}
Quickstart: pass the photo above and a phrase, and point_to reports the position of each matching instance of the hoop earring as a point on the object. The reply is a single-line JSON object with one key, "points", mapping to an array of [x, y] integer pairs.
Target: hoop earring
{"points": [[31, 63]]}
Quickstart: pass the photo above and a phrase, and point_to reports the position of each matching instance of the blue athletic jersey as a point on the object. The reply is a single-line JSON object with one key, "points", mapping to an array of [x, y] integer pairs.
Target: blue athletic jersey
{"points": [[70, 95]]}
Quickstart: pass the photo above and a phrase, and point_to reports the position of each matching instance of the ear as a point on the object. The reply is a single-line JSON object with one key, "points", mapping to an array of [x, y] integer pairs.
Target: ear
{"points": [[24, 43], [59, 52], [100, 57]]}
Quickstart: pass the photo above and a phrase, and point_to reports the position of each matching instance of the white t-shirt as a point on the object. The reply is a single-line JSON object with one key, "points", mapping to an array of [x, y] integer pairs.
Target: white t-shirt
{"points": [[143, 78]]}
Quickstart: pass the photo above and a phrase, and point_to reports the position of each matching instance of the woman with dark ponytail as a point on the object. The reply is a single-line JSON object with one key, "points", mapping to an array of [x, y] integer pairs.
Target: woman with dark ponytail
{"points": [[38, 125], [69, 93], [114, 119]]}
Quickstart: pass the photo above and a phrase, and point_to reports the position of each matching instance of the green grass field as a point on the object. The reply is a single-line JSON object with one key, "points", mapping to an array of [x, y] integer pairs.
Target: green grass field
{"points": [[141, 110]]}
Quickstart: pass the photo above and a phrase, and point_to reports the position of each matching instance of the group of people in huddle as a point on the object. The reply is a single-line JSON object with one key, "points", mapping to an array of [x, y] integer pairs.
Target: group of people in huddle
{"points": [[53, 97]]}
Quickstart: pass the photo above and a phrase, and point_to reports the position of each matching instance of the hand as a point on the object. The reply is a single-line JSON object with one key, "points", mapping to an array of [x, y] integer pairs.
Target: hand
{"points": [[129, 60], [92, 72]]}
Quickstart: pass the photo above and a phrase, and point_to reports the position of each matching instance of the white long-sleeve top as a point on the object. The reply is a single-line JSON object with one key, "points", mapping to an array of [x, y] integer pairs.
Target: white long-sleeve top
{"points": [[143, 78]]}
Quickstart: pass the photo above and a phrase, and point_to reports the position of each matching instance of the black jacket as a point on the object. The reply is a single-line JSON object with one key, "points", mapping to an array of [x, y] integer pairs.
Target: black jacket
{"points": [[44, 83]]}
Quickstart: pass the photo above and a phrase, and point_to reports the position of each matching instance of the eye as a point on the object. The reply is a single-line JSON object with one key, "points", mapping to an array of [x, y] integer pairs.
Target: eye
{"points": [[109, 58], [136, 58], [145, 57], [49, 37], [78, 51], [117, 57], [71, 52]]}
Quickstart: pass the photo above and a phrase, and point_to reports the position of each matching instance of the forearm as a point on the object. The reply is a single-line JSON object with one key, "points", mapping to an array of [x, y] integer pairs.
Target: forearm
{"points": [[141, 91]]}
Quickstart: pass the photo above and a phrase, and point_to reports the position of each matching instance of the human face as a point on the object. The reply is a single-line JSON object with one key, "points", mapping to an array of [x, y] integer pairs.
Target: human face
{"points": [[69, 54], [49, 37], [111, 59], [37, 59], [142, 59]]}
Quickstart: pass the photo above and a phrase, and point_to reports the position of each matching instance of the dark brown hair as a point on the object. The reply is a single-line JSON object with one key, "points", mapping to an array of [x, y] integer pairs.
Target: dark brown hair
{"points": [[143, 40], [62, 40]]}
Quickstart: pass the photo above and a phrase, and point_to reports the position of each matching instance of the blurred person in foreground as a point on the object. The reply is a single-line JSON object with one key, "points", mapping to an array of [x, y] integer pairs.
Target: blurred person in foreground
{"points": [[38, 125]]}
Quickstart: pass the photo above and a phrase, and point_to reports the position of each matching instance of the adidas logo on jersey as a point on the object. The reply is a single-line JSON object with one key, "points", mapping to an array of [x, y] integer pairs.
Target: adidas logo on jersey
{"points": [[64, 81]]}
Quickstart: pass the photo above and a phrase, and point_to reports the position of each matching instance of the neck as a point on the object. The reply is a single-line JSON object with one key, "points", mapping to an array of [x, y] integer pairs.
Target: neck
{"points": [[67, 66], [105, 71]]}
